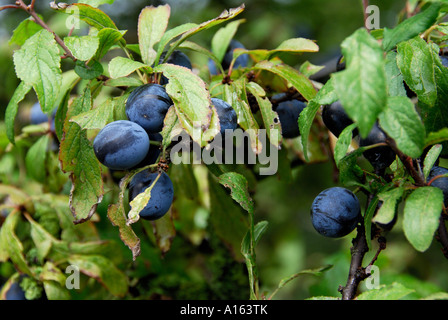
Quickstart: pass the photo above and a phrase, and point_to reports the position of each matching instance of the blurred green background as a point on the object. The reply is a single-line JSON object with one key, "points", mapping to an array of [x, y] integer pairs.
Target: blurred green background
{"points": [[290, 243]]}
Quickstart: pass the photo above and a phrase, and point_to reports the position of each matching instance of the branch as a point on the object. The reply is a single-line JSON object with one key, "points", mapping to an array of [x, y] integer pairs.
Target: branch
{"points": [[9, 6], [407, 162], [356, 273], [38, 20]]}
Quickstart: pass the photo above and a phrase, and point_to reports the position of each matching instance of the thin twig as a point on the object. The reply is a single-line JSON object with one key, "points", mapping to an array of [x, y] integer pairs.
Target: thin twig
{"points": [[9, 6], [38, 20], [365, 4]]}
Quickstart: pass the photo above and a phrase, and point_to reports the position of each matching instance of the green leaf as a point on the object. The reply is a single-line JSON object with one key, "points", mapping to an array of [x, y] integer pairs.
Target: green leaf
{"points": [[78, 158], [416, 62], [10, 245], [13, 107], [98, 117], [388, 209], [24, 30], [326, 95], [431, 157], [35, 159], [37, 63], [394, 291], [343, 143], [411, 27], [107, 37], [103, 270], [401, 122], [222, 38], [235, 95], [152, 23], [96, 3], [122, 67], [395, 80], [42, 239], [308, 69], [361, 87], [83, 48], [197, 48], [301, 83], [191, 100], [270, 117], [90, 71], [171, 34], [421, 216], [436, 137], [92, 16], [350, 173], [238, 186], [223, 17]]}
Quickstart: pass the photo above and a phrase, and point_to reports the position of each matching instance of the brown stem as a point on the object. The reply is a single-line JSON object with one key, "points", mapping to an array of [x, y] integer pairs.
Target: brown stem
{"points": [[407, 162], [9, 6], [38, 20]]}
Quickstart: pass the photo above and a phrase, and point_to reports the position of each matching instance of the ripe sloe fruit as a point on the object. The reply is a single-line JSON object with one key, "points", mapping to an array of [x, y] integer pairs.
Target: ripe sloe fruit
{"points": [[335, 118], [441, 183], [121, 145], [241, 61], [161, 194], [379, 157], [288, 113], [147, 106], [227, 115], [335, 212], [178, 58]]}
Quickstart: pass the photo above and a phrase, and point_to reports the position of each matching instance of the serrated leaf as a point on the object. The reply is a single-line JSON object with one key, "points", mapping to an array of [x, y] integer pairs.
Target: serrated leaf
{"points": [[37, 63], [24, 30], [122, 67], [83, 48], [35, 159], [395, 291], [259, 229], [103, 270], [411, 27], [416, 62], [152, 23], [361, 87], [191, 100], [117, 216], [197, 48], [98, 117], [92, 16], [301, 83], [78, 158], [88, 71], [308, 69], [421, 216], [13, 107], [238, 186], [402, 123]]}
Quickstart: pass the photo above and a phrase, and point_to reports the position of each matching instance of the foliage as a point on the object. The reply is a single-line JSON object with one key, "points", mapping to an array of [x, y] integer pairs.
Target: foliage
{"points": [[56, 196]]}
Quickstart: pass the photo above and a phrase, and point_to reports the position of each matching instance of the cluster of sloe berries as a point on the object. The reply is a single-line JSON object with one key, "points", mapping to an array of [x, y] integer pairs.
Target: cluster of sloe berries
{"points": [[126, 144]]}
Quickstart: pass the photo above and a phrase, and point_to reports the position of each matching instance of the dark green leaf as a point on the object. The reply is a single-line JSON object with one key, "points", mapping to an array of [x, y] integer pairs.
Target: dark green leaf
{"points": [[13, 107], [35, 159], [362, 87], [237, 184], [411, 27]]}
